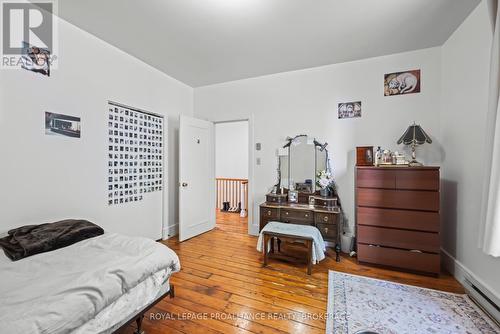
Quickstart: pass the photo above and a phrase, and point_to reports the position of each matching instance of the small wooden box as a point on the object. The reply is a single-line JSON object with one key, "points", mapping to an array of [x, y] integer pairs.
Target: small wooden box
{"points": [[327, 202], [364, 156], [276, 198]]}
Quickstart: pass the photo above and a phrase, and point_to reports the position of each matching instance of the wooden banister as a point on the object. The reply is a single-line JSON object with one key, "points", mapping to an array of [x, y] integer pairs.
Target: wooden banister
{"points": [[232, 190]]}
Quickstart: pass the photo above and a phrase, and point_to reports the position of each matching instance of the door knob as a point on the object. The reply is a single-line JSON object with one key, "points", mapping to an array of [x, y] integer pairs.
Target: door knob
{"points": [[184, 184]]}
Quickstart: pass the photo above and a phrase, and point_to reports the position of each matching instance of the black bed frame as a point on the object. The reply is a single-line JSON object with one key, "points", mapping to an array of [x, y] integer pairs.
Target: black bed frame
{"points": [[139, 316]]}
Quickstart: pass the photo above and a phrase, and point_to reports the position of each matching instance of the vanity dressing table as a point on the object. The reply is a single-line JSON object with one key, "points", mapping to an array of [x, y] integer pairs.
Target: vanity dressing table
{"points": [[301, 160]]}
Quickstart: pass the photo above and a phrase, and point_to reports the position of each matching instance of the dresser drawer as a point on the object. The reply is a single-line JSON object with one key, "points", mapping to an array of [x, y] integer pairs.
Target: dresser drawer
{"points": [[325, 218], [269, 213], [398, 199], [328, 231], [415, 261], [417, 179], [410, 240], [290, 214], [403, 219], [376, 178]]}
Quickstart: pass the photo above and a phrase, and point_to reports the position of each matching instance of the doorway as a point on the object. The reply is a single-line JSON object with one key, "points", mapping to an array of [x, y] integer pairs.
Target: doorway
{"points": [[231, 171]]}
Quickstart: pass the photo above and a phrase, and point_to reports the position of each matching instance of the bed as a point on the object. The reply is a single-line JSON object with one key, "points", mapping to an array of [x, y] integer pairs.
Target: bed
{"points": [[97, 285]]}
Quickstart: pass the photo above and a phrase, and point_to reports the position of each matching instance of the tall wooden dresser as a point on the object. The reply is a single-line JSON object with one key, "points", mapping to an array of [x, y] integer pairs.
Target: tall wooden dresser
{"points": [[397, 217]]}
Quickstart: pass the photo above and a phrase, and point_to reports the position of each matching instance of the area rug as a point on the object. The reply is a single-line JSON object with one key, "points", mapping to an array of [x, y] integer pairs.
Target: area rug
{"points": [[357, 304]]}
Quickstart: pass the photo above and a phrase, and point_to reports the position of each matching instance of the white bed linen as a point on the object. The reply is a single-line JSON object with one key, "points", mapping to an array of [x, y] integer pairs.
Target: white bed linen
{"points": [[116, 314], [60, 291]]}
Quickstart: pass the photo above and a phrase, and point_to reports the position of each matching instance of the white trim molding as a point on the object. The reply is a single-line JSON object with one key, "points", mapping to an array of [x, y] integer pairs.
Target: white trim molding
{"points": [[481, 292], [171, 231]]}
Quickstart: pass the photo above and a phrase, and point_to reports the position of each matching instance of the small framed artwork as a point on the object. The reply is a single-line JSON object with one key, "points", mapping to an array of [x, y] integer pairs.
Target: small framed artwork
{"points": [[304, 187], [364, 156], [62, 125], [349, 110], [293, 196], [35, 59], [399, 83]]}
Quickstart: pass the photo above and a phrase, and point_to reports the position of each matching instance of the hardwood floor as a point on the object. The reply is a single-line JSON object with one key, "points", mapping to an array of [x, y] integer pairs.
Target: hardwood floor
{"points": [[222, 277]]}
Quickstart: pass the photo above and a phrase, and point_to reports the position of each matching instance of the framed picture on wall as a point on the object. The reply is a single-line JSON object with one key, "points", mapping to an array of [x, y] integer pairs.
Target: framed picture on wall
{"points": [[399, 83], [135, 153], [349, 110], [62, 125], [35, 59]]}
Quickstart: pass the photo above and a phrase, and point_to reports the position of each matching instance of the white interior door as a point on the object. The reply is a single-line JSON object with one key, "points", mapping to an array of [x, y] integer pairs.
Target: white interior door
{"points": [[196, 177]]}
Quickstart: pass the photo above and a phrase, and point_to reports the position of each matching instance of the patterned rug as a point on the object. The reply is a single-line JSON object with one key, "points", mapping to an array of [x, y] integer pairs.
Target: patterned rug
{"points": [[357, 304]]}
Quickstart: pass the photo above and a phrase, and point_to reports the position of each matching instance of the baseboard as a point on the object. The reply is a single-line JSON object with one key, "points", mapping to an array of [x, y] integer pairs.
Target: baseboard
{"points": [[172, 230], [483, 294], [254, 230]]}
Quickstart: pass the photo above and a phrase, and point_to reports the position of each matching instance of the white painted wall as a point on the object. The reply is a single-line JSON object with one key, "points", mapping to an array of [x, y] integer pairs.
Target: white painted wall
{"points": [[465, 74], [306, 101], [46, 178], [231, 150]]}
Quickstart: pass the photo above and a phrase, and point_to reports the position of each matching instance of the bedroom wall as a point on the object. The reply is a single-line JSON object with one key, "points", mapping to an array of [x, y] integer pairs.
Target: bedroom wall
{"points": [[465, 74], [231, 150], [306, 101], [46, 178]]}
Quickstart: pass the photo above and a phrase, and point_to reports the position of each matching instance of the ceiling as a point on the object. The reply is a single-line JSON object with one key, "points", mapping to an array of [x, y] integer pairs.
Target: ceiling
{"points": [[202, 42]]}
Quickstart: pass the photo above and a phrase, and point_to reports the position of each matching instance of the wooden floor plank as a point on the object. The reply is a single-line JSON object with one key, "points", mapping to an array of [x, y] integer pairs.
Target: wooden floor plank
{"points": [[222, 276], [254, 279]]}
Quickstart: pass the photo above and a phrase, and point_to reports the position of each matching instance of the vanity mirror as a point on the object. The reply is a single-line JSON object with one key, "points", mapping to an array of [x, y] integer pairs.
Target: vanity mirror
{"points": [[296, 198], [300, 160]]}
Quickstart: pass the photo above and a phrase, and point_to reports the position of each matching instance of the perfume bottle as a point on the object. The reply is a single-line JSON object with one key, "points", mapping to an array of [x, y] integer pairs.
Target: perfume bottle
{"points": [[378, 156]]}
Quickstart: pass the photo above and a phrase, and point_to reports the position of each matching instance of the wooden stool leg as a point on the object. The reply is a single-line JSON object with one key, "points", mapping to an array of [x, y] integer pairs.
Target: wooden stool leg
{"points": [[172, 291], [266, 239], [138, 322], [309, 256], [272, 244], [279, 245]]}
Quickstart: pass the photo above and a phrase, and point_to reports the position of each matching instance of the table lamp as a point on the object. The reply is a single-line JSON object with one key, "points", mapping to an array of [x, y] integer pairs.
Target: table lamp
{"points": [[414, 136]]}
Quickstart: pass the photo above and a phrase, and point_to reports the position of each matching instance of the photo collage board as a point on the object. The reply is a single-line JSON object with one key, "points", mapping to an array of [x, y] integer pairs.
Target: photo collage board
{"points": [[135, 154]]}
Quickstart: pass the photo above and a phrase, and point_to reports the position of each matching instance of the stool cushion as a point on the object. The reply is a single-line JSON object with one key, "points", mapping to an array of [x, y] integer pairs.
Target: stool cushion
{"points": [[306, 231]]}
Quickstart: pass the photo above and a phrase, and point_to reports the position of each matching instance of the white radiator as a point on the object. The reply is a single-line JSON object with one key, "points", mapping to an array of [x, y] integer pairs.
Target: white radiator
{"points": [[482, 297]]}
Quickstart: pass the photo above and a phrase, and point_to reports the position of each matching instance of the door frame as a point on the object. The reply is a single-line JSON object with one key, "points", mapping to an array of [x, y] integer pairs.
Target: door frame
{"points": [[253, 228]]}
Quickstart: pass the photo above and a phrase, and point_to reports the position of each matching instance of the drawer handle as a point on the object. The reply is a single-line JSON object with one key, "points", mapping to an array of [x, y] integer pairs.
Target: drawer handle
{"points": [[325, 218], [286, 212], [269, 212], [307, 215], [326, 229]]}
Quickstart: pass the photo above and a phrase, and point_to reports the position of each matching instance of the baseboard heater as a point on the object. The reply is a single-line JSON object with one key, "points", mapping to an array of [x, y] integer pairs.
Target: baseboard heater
{"points": [[486, 301]]}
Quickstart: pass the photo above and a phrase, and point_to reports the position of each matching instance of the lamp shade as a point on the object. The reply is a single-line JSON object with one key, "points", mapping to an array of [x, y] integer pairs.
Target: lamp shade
{"points": [[414, 135]]}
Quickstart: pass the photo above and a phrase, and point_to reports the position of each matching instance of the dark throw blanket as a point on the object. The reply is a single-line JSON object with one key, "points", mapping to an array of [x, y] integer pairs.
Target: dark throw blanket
{"points": [[33, 239]]}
